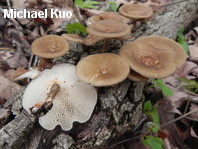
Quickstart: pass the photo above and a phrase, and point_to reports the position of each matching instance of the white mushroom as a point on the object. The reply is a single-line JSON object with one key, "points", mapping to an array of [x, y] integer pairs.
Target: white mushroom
{"points": [[75, 100]]}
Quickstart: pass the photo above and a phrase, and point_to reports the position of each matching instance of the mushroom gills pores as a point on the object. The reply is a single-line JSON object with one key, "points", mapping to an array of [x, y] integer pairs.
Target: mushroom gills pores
{"points": [[75, 100]]}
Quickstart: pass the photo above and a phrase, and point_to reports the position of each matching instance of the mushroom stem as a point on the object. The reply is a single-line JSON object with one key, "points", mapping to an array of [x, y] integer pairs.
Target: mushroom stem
{"points": [[105, 46], [44, 64], [134, 23]]}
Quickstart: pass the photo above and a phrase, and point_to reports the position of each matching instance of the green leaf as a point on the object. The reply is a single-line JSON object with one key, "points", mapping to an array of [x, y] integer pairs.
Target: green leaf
{"points": [[190, 85], [181, 40], [154, 127], [76, 28], [165, 90], [153, 142], [79, 3], [147, 105], [113, 6], [87, 4], [92, 2], [155, 116]]}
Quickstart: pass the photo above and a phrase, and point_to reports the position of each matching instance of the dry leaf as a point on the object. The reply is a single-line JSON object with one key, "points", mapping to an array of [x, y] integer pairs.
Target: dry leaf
{"points": [[185, 70], [12, 74], [17, 60], [193, 115], [8, 88], [33, 73], [164, 106], [193, 49], [4, 55], [195, 72], [177, 99]]}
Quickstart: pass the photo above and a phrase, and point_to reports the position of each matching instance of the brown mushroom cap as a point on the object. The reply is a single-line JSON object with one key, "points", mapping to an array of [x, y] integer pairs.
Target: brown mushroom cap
{"points": [[109, 28], [148, 61], [50, 46], [134, 76], [109, 16], [73, 37], [136, 11], [163, 43], [104, 69], [92, 39]]}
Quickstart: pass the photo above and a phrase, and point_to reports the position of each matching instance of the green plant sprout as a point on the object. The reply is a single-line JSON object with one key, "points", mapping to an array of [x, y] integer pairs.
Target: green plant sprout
{"points": [[181, 40], [112, 6], [152, 128], [165, 90], [151, 111], [76, 28], [87, 4], [153, 142], [190, 85]]}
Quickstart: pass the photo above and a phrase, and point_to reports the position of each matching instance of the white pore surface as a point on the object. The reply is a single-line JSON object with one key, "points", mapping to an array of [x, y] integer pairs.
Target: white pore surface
{"points": [[75, 100]]}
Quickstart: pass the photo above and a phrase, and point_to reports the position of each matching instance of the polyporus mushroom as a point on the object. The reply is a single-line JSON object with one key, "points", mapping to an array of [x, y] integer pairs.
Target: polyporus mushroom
{"points": [[72, 101], [109, 29], [73, 37], [104, 69], [149, 60], [134, 76], [109, 16], [136, 12], [163, 43], [88, 41], [48, 47]]}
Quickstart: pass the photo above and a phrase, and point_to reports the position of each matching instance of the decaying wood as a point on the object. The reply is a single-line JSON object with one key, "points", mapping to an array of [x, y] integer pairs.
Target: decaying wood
{"points": [[119, 108]]}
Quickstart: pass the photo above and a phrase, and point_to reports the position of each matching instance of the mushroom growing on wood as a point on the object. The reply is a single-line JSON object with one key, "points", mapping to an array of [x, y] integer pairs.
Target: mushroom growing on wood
{"points": [[136, 12], [149, 60], [163, 43], [109, 29], [48, 47], [104, 69], [88, 41], [73, 101]]}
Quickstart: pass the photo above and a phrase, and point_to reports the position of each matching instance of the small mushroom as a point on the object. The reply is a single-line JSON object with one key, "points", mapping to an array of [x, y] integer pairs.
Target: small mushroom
{"points": [[136, 12], [149, 61], [48, 47], [73, 101], [73, 37], [109, 29], [88, 41], [104, 69], [109, 16]]}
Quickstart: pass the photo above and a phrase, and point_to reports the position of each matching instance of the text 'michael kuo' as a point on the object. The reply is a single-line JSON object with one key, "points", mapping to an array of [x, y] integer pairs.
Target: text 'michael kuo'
{"points": [[24, 13]]}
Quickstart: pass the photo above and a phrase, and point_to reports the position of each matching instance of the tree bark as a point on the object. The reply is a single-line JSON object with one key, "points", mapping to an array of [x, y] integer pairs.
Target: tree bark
{"points": [[119, 108]]}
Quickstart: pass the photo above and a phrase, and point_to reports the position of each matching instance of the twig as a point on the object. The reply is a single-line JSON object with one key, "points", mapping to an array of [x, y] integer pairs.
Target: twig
{"points": [[180, 117], [7, 49]]}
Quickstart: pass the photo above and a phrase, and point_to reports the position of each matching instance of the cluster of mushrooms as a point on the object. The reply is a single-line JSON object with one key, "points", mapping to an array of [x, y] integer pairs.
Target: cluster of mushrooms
{"points": [[65, 93]]}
